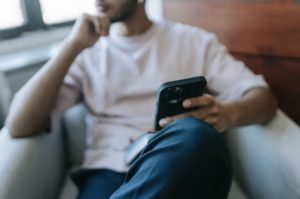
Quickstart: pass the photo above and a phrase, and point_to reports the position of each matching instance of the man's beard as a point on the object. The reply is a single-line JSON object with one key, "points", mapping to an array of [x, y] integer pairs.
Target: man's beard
{"points": [[127, 12]]}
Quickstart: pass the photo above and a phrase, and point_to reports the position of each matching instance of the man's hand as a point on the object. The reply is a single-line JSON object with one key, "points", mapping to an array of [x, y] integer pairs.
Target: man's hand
{"points": [[208, 110], [88, 29]]}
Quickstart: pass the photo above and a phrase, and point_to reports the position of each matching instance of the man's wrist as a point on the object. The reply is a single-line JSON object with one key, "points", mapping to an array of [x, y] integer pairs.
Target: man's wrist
{"points": [[231, 112], [73, 46]]}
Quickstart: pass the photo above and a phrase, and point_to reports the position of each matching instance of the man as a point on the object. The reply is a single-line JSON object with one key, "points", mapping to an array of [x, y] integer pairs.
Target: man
{"points": [[116, 71]]}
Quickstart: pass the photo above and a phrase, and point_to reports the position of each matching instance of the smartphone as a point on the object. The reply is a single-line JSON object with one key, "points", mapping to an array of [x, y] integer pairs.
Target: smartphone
{"points": [[171, 95]]}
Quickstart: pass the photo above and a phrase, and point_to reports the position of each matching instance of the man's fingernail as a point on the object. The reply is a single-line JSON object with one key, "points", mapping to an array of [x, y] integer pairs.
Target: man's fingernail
{"points": [[163, 122], [187, 103]]}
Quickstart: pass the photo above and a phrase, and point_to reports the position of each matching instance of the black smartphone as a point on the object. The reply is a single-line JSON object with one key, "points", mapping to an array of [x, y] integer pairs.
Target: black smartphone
{"points": [[172, 94]]}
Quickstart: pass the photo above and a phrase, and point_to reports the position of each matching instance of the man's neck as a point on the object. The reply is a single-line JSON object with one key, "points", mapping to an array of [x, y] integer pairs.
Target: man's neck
{"points": [[137, 24]]}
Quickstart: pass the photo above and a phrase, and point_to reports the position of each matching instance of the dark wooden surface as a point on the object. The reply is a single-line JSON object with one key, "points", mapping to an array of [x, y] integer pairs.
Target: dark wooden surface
{"points": [[265, 34]]}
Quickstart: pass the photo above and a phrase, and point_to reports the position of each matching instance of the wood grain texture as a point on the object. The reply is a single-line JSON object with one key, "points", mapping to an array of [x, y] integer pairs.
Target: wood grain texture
{"points": [[283, 75], [254, 28], [265, 34]]}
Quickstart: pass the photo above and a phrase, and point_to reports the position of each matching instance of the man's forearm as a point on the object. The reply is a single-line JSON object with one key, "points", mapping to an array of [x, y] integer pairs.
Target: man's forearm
{"points": [[32, 104], [256, 106]]}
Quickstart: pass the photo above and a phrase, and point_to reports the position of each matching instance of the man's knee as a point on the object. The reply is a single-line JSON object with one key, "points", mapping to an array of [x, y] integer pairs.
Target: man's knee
{"points": [[194, 131], [191, 137], [201, 142]]}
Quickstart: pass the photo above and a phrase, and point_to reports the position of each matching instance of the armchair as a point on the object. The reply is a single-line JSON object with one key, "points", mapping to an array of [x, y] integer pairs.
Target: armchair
{"points": [[5, 96], [266, 160]]}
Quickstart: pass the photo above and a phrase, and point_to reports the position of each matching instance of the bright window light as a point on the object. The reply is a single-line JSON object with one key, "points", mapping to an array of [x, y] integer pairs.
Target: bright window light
{"points": [[10, 14], [56, 11]]}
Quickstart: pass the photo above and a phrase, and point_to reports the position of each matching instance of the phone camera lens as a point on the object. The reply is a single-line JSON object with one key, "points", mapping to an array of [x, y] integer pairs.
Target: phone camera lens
{"points": [[177, 90]]}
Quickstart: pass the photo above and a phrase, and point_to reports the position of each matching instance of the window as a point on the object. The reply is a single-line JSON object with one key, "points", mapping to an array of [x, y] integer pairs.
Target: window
{"points": [[10, 14], [18, 16], [58, 11]]}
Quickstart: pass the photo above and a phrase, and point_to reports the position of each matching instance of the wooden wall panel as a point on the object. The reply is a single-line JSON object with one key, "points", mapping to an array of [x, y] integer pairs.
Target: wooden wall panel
{"points": [[283, 75], [265, 34], [255, 28]]}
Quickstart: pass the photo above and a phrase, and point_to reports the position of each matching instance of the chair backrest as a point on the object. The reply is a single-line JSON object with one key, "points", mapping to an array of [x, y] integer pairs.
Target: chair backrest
{"points": [[263, 34]]}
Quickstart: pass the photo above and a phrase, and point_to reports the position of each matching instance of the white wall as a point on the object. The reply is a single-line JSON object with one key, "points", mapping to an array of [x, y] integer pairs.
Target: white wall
{"points": [[154, 9]]}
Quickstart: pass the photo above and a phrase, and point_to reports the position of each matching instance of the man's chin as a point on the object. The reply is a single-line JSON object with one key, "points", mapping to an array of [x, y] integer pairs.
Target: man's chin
{"points": [[113, 19], [118, 19], [121, 18]]}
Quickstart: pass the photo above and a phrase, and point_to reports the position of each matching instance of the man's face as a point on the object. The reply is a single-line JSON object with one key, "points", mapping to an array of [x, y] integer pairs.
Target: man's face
{"points": [[117, 10]]}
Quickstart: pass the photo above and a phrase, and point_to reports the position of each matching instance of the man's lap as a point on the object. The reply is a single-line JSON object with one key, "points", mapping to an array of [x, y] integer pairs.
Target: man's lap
{"points": [[96, 183], [189, 151]]}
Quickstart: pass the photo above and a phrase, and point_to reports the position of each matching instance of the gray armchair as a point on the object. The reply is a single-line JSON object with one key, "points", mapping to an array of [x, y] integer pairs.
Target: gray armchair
{"points": [[5, 97], [266, 160]]}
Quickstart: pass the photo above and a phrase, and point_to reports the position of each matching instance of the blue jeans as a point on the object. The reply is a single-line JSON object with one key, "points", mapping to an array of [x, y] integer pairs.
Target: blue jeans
{"points": [[185, 160]]}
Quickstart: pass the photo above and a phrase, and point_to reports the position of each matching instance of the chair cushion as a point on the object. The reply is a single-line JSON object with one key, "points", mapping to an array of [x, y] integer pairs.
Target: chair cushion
{"points": [[69, 190], [75, 133], [236, 192]]}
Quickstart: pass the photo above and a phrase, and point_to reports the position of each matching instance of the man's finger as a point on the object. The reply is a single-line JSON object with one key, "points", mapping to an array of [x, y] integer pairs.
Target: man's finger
{"points": [[97, 24], [202, 101], [206, 113], [100, 23], [165, 121], [106, 23], [211, 119]]}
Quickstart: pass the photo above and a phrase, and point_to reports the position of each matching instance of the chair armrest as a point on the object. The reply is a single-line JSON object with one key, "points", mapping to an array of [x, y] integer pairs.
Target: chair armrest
{"points": [[31, 168], [5, 97], [266, 158]]}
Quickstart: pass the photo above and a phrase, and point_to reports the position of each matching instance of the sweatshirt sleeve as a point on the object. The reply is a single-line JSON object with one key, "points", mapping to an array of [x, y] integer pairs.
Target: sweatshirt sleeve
{"points": [[227, 78]]}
